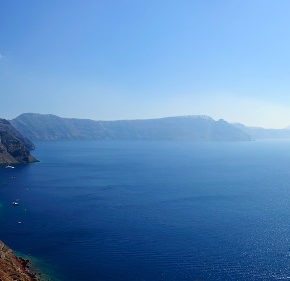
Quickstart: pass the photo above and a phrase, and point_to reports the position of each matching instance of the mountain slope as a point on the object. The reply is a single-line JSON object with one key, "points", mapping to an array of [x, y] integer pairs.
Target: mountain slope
{"points": [[6, 126], [12, 267], [14, 148], [192, 128]]}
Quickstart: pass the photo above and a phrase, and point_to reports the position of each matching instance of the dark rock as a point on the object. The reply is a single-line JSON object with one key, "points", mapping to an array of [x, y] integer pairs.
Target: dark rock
{"points": [[14, 148]]}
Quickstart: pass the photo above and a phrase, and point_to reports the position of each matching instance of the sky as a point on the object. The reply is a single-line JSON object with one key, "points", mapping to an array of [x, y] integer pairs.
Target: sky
{"points": [[135, 59]]}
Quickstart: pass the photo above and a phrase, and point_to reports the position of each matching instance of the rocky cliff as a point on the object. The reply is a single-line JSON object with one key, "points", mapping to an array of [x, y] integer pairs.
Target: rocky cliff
{"points": [[188, 128], [14, 148], [13, 267]]}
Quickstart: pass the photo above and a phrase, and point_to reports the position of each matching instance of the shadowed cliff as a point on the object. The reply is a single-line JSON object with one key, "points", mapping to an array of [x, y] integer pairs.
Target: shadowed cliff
{"points": [[14, 148]]}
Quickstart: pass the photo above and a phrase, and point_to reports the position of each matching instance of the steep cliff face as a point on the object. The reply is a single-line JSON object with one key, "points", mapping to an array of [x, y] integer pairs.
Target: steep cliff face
{"points": [[14, 148], [188, 128], [13, 267], [6, 126]]}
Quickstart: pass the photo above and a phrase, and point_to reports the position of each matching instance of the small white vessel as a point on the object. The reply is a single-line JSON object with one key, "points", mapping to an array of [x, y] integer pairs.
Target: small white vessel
{"points": [[15, 203], [9, 167]]}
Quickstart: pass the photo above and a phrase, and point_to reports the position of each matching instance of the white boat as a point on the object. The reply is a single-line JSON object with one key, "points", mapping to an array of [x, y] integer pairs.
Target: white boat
{"points": [[15, 203], [9, 166]]}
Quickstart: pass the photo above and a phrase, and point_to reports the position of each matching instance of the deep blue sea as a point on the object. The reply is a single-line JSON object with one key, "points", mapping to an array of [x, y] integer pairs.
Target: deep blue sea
{"points": [[152, 211]]}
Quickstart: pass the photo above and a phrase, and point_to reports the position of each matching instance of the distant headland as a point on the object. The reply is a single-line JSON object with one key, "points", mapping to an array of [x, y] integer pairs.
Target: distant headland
{"points": [[188, 128], [14, 147]]}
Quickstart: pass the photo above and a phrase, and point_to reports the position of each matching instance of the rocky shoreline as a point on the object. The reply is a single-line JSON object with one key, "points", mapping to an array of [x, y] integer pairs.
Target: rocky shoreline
{"points": [[13, 267], [14, 149]]}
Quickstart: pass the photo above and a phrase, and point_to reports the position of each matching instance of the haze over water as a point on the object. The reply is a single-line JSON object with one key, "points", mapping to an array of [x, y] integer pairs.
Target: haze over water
{"points": [[152, 210]]}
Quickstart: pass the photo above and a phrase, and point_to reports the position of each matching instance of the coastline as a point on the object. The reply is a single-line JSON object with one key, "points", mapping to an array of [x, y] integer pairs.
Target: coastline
{"points": [[13, 267]]}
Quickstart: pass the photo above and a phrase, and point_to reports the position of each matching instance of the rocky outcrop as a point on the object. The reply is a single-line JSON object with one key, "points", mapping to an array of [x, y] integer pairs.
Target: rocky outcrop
{"points": [[13, 267], [8, 127], [14, 148]]}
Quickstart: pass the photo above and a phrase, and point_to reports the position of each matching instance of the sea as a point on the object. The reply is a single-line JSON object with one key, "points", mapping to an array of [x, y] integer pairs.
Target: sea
{"points": [[151, 211]]}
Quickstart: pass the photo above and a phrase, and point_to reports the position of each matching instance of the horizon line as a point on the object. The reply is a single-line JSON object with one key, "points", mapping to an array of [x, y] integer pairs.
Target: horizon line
{"points": [[152, 118]]}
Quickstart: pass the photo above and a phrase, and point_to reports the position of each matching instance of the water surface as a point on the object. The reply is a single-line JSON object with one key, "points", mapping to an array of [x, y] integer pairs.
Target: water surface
{"points": [[152, 211]]}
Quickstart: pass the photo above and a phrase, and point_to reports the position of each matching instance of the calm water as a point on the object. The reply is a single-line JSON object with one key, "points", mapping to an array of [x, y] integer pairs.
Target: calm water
{"points": [[152, 211]]}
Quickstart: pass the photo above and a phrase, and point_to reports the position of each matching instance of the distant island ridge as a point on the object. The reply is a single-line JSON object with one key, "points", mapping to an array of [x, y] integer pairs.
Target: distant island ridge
{"points": [[50, 127]]}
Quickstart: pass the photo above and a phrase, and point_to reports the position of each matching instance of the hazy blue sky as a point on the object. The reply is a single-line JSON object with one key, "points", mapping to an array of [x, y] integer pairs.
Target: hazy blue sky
{"points": [[126, 59]]}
